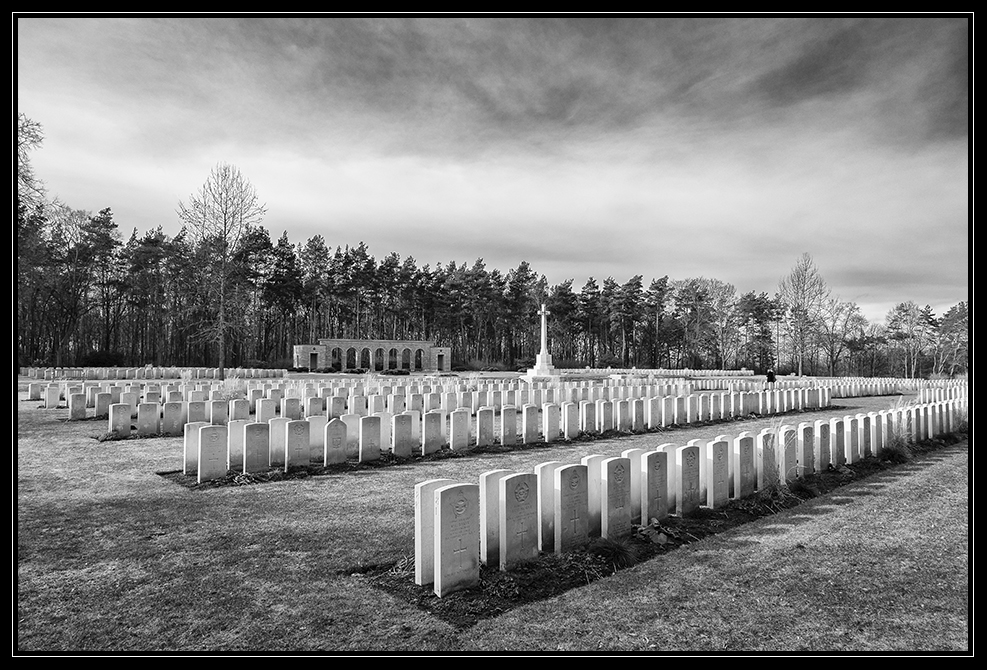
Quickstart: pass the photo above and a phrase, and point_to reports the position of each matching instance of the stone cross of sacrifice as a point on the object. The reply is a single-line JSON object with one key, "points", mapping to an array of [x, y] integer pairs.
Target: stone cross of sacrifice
{"points": [[544, 329]]}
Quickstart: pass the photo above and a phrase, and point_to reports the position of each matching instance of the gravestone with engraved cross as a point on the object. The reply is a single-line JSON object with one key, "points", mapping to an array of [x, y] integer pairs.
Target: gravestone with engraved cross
{"points": [[615, 497], [518, 519], [654, 486], [687, 499], [456, 538], [212, 453], [571, 505], [718, 472], [744, 472], [297, 443]]}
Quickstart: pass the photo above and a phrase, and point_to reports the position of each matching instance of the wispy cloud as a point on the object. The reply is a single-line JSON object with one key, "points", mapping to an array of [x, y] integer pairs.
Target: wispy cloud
{"points": [[720, 147]]}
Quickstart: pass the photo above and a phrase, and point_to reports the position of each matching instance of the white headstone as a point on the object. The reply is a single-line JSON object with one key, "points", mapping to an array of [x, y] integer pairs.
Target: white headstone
{"points": [[822, 454], [604, 416], [544, 478], [267, 409], [234, 444], [148, 418], [594, 479], [638, 421], [457, 538], [256, 447], [317, 435], [622, 410], [490, 516], [570, 420], [298, 443], [335, 442], [212, 453], [239, 410], [654, 486], [837, 441], [529, 424], [687, 496], [718, 472], [788, 453], [459, 435], [518, 519], [190, 458], [120, 419], [432, 439], [77, 406], [744, 470], [425, 529], [766, 458], [551, 420], [278, 440], [352, 422], [484, 426], [336, 407], [851, 443], [571, 507], [508, 425], [587, 416], [402, 436], [369, 438], [197, 411], [805, 449], [635, 456], [615, 497]]}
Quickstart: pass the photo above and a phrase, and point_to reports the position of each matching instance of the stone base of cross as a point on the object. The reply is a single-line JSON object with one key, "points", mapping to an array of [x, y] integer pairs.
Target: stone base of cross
{"points": [[543, 366]]}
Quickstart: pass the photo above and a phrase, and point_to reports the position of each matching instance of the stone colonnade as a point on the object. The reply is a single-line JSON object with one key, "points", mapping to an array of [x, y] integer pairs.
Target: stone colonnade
{"points": [[375, 355]]}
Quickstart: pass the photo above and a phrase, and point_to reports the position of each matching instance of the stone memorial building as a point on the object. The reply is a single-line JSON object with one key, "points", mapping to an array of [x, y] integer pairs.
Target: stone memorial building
{"points": [[378, 355]]}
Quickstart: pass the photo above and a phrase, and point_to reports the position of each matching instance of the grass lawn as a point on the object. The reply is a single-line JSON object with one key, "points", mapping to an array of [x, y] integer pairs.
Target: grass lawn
{"points": [[113, 556]]}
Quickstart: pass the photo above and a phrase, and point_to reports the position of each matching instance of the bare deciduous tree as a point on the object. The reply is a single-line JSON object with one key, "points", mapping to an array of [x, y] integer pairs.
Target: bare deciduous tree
{"points": [[30, 189], [218, 217], [911, 328], [804, 293], [840, 322]]}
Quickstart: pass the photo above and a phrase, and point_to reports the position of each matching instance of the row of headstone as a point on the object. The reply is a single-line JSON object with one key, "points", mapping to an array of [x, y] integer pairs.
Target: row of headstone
{"points": [[431, 397], [436, 429], [213, 451], [459, 429], [659, 372], [627, 415], [148, 372], [510, 517], [464, 394]]}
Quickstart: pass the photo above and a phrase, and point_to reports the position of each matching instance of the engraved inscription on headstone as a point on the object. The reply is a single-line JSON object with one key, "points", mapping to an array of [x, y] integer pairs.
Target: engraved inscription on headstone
{"points": [[457, 538]]}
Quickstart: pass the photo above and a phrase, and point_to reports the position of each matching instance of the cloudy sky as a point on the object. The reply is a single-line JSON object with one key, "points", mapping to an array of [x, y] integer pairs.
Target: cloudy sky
{"points": [[588, 147]]}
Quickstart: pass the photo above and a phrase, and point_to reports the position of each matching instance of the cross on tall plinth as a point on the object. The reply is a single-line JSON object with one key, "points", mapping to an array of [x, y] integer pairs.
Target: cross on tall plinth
{"points": [[543, 362]]}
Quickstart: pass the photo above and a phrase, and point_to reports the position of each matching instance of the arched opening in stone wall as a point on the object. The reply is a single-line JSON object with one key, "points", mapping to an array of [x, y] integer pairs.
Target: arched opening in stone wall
{"points": [[419, 359], [365, 358], [406, 359], [336, 358], [392, 359], [379, 359], [350, 358]]}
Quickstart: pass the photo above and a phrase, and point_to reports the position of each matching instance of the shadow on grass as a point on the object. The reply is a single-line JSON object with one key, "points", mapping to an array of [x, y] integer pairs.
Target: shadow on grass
{"points": [[550, 575]]}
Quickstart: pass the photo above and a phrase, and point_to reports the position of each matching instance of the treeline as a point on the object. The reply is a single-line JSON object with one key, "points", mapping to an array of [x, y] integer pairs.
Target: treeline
{"points": [[223, 293], [85, 297]]}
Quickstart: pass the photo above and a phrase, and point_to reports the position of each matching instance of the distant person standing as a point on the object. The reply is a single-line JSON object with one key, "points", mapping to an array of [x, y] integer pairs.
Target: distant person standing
{"points": [[770, 379]]}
